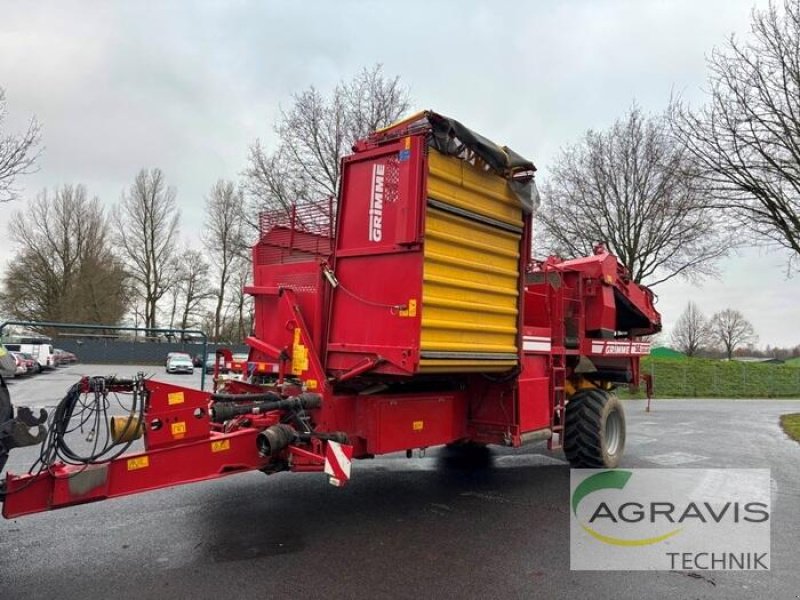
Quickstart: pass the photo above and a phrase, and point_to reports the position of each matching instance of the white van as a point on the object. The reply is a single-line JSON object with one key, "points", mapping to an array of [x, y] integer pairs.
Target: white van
{"points": [[42, 352]]}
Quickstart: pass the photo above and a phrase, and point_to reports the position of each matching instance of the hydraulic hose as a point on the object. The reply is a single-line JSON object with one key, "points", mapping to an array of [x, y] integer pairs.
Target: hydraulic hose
{"points": [[223, 411], [222, 397]]}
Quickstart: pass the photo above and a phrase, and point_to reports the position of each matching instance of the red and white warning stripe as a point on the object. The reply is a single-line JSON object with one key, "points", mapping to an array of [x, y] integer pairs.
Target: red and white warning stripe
{"points": [[338, 458], [533, 343]]}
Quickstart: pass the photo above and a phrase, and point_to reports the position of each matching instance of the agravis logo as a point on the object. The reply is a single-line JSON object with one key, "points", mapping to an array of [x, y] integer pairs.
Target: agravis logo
{"points": [[376, 204], [690, 519], [613, 480]]}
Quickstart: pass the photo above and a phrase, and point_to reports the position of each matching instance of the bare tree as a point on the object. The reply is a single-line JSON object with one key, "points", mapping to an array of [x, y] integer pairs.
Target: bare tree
{"points": [[691, 332], [146, 222], [731, 330], [64, 268], [747, 138], [314, 134], [191, 289], [240, 305], [223, 237], [634, 188], [18, 153]]}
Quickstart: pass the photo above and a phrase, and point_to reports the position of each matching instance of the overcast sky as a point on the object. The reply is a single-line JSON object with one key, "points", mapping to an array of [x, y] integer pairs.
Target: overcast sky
{"points": [[187, 86]]}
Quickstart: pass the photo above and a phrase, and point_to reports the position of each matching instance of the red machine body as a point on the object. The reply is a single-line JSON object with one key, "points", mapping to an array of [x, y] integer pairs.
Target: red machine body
{"points": [[345, 349]]}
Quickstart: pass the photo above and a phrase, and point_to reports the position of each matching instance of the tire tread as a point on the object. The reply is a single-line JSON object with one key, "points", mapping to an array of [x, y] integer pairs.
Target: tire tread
{"points": [[583, 436]]}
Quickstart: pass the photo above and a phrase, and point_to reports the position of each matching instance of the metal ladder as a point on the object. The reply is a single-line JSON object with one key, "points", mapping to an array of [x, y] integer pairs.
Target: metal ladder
{"points": [[558, 368], [558, 397]]}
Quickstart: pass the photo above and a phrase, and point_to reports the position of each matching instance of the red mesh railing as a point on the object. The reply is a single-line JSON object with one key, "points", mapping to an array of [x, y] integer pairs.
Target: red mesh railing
{"points": [[297, 233], [317, 218]]}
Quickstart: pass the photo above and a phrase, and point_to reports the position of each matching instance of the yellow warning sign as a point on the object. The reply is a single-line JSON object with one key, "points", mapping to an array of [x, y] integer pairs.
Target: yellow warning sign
{"points": [[220, 445], [175, 398], [299, 354], [299, 359], [140, 462], [410, 310], [178, 429]]}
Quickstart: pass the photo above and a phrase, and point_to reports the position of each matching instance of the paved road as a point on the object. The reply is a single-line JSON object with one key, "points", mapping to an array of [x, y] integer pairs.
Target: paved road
{"points": [[419, 528]]}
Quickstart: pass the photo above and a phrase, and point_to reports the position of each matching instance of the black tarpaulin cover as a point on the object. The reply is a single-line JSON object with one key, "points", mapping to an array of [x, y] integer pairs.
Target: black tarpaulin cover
{"points": [[450, 137]]}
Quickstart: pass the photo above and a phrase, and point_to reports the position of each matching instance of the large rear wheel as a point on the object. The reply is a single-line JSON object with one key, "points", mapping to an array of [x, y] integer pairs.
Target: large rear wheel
{"points": [[594, 430]]}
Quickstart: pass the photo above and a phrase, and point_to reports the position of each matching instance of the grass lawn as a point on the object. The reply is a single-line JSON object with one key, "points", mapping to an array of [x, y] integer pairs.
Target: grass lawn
{"points": [[705, 378], [791, 425]]}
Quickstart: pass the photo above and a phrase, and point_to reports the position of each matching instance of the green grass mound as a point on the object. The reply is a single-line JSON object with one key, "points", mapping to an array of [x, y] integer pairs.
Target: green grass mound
{"points": [[706, 378], [791, 425], [667, 353]]}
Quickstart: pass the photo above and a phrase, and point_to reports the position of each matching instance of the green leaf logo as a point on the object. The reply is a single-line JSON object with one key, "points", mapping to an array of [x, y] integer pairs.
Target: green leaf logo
{"points": [[600, 481]]}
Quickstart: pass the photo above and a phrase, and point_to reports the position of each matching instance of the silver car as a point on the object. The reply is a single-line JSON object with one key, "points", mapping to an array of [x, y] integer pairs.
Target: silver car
{"points": [[180, 364]]}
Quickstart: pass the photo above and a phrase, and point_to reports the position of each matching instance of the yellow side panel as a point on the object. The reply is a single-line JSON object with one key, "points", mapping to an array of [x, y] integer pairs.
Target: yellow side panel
{"points": [[435, 365], [460, 184], [470, 289]]}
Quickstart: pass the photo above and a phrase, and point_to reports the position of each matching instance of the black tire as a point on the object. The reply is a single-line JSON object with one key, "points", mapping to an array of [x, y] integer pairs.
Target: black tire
{"points": [[594, 430], [6, 414]]}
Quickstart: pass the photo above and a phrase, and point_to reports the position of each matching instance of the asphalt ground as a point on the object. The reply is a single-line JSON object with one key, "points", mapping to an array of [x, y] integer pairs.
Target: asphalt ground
{"points": [[421, 528]]}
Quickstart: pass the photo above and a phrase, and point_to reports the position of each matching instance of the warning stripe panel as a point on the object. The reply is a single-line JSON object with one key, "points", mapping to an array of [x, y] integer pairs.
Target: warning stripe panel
{"points": [[338, 460]]}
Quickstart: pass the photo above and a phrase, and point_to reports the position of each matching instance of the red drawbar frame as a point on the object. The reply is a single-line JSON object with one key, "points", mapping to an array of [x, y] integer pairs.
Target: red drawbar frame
{"points": [[198, 460]]}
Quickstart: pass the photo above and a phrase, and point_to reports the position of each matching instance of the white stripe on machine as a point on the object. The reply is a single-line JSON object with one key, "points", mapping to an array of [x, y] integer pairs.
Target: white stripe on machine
{"points": [[600, 347], [532, 343]]}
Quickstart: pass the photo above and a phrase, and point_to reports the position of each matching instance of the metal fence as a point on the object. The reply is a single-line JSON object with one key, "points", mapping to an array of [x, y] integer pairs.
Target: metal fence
{"points": [[127, 352], [722, 379]]}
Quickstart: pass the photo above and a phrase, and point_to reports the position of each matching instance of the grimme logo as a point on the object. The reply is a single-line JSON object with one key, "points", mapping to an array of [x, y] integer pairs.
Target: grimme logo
{"points": [[376, 204], [670, 518]]}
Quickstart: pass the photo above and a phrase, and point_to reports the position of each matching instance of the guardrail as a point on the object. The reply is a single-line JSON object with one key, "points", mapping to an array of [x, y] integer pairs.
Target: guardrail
{"points": [[94, 327]]}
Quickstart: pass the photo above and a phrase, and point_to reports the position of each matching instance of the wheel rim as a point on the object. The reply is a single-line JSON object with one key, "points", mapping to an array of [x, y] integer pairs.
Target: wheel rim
{"points": [[613, 432]]}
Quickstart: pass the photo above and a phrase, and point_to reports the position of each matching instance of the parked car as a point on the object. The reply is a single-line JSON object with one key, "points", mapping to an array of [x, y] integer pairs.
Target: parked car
{"points": [[41, 351], [31, 363], [59, 356], [181, 354], [211, 360], [180, 364], [20, 369], [63, 357]]}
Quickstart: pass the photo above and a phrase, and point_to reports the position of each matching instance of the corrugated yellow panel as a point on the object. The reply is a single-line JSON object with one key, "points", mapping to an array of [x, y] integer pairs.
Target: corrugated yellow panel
{"points": [[460, 184], [470, 292]]}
